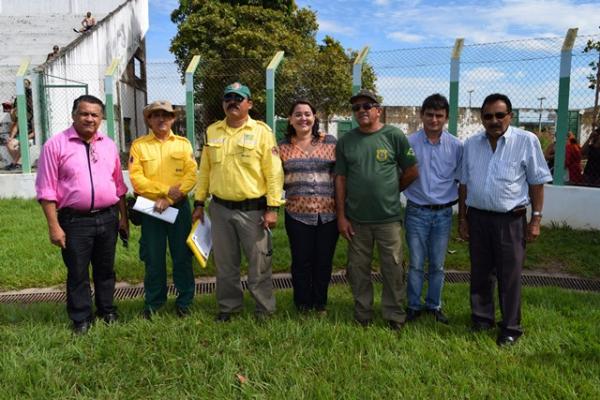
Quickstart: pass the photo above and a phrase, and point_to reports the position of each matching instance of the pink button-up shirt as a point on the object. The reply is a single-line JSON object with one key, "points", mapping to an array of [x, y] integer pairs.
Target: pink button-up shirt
{"points": [[75, 177]]}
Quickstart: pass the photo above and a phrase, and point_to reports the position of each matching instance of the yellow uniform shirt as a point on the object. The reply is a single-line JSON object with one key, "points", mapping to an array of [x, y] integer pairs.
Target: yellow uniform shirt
{"points": [[240, 163], [155, 166]]}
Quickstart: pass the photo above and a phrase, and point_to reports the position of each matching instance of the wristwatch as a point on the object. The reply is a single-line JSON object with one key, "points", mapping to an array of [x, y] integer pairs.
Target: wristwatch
{"points": [[198, 203], [537, 214]]}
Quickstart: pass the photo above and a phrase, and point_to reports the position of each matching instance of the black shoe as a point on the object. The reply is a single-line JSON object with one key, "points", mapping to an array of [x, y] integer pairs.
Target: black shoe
{"points": [[82, 327], [182, 312], [364, 322], [481, 326], [223, 317], [110, 318], [506, 340], [395, 325], [412, 314], [9, 167], [439, 316], [147, 314]]}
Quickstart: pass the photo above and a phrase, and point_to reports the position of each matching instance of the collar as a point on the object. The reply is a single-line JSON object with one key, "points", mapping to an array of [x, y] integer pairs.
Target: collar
{"points": [[425, 139], [506, 136], [153, 136], [250, 124], [72, 134]]}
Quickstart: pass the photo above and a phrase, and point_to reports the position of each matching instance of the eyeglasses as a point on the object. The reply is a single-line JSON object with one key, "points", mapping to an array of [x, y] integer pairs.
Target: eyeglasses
{"points": [[365, 106], [233, 96], [498, 115]]}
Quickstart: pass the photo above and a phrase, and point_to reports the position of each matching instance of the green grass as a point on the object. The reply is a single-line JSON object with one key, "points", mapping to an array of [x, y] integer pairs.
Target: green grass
{"points": [[29, 260], [303, 357]]}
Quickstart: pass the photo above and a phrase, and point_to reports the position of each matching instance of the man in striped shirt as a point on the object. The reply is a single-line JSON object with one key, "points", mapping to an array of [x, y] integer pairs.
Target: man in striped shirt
{"points": [[503, 171]]}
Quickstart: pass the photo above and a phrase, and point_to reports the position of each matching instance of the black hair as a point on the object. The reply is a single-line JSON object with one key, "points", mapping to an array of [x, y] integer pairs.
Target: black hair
{"points": [[87, 98], [436, 102], [494, 97], [315, 129]]}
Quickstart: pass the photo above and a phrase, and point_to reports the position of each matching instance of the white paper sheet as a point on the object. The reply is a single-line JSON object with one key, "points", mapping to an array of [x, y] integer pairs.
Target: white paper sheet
{"points": [[146, 206]]}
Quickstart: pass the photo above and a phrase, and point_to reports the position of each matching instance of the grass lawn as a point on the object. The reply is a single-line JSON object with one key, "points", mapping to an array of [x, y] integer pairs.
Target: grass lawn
{"points": [[303, 357], [29, 260]]}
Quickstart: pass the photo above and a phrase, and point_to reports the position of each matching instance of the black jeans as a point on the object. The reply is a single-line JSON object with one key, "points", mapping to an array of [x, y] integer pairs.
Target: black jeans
{"points": [[312, 250], [90, 239]]}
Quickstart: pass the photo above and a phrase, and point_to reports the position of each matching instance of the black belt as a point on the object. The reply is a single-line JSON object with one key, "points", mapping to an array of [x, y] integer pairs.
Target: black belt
{"points": [[244, 205], [515, 212], [72, 212], [433, 206]]}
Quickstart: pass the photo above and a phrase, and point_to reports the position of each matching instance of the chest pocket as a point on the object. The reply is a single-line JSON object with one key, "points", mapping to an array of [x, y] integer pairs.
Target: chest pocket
{"points": [[150, 165], [178, 161], [247, 153], [215, 152]]}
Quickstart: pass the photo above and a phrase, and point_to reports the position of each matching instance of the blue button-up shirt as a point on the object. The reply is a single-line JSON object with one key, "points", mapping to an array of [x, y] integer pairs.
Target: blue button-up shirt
{"points": [[439, 169], [499, 180]]}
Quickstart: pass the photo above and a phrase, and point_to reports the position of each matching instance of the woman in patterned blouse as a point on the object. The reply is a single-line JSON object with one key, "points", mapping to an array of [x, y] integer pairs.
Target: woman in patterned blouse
{"points": [[308, 157]]}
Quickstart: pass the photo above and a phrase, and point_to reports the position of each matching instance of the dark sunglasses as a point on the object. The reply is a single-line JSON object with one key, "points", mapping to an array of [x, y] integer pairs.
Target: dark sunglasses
{"points": [[364, 106], [233, 96], [498, 115]]}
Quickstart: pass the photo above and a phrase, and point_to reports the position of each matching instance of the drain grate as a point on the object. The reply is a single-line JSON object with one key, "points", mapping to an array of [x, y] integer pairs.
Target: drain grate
{"points": [[284, 281]]}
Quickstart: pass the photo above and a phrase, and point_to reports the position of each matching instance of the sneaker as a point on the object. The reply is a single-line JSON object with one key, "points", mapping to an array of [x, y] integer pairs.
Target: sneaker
{"points": [[412, 314], [439, 316]]}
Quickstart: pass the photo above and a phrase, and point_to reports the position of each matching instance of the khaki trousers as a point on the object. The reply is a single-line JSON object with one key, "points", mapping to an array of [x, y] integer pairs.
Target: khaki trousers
{"points": [[360, 254], [230, 230]]}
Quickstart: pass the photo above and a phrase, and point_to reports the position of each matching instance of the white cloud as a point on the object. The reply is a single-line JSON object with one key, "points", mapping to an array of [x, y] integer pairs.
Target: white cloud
{"points": [[405, 37], [483, 74], [333, 27]]}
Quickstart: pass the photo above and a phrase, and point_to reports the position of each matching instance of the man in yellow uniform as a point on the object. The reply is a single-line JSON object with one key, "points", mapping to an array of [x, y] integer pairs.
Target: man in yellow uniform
{"points": [[241, 169], [162, 168]]}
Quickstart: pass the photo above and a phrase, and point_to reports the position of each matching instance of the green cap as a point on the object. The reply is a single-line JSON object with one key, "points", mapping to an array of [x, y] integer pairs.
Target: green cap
{"points": [[238, 88]]}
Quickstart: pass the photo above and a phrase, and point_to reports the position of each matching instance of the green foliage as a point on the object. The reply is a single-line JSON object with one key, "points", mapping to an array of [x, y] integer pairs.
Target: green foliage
{"points": [[237, 39], [594, 78]]}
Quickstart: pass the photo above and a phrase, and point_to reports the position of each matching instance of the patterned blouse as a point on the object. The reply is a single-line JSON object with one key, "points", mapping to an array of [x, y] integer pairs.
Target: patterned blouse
{"points": [[309, 180]]}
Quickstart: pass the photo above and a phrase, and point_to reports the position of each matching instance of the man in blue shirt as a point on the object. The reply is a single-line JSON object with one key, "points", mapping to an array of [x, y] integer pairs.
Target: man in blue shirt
{"points": [[503, 171], [429, 207]]}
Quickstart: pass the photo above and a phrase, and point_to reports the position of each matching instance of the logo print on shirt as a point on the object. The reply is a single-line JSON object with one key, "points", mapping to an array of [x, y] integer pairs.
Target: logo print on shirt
{"points": [[381, 155]]}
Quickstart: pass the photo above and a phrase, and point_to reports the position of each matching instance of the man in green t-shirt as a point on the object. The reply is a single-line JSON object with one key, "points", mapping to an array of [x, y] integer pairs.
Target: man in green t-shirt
{"points": [[374, 163]]}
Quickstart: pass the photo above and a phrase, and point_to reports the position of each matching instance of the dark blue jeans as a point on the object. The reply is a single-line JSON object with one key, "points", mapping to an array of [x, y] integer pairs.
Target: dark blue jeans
{"points": [[312, 248], [90, 239]]}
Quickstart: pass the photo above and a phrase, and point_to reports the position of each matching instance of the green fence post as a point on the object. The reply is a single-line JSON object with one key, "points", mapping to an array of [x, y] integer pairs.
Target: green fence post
{"points": [[22, 117], [190, 117], [357, 74], [110, 105], [454, 79], [562, 122], [271, 69]]}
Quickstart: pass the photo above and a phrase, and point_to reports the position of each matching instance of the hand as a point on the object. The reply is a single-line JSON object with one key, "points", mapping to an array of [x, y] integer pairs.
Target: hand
{"points": [[124, 225], [463, 229], [269, 219], [198, 214], [58, 237], [175, 194], [533, 229], [345, 228], [161, 205]]}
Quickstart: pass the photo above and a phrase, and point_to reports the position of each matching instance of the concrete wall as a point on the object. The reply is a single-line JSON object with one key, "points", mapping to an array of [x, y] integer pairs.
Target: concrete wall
{"points": [[120, 35], [574, 206], [41, 7]]}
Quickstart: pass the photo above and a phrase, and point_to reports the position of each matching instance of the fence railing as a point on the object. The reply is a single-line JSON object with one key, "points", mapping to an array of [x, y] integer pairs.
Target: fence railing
{"points": [[546, 80]]}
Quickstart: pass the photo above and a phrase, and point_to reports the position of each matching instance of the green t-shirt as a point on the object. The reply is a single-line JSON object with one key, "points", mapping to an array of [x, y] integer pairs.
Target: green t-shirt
{"points": [[370, 164]]}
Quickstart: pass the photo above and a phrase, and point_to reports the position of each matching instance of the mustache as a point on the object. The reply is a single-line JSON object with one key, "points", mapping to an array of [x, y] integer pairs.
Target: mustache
{"points": [[233, 105]]}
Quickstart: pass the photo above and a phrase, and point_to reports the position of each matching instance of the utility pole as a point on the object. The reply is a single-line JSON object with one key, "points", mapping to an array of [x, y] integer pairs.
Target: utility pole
{"points": [[541, 99], [470, 91]]}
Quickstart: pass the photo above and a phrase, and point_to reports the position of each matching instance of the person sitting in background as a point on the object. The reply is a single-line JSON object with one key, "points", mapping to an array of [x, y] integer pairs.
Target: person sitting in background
{"points": [[87, 23], [308, 158], [54, 54], [573, 160], [12, 143], [591, 150]]}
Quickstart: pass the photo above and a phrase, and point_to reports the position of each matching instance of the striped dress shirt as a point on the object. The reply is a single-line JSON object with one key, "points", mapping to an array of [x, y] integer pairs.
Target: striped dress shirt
{"points": [[499, 180]]}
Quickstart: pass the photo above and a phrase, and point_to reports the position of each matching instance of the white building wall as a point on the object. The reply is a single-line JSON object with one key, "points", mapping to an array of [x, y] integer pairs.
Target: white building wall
{"points": [[118, 36], [42, 7]]}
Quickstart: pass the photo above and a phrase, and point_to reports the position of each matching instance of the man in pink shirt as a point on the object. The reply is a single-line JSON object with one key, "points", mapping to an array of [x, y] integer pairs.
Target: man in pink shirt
{"points": [[80, 187]]}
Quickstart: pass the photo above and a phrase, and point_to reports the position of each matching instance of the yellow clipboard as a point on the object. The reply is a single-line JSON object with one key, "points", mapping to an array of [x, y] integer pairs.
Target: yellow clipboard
{"points": [[200, 240]]}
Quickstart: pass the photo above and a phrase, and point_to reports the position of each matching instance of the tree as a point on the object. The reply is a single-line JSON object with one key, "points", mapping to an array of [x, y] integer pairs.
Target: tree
{"points": [[237, 39], [594, 77]]}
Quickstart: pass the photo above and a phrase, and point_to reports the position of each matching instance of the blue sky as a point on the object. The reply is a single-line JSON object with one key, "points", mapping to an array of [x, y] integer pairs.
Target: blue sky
{"points": [[386, 25]]}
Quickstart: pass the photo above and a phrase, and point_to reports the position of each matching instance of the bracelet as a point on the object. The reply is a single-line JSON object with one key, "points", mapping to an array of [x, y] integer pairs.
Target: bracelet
{"points": [[198, 203]]}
